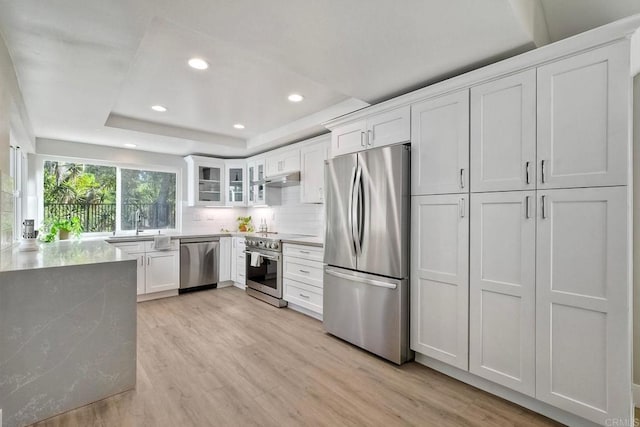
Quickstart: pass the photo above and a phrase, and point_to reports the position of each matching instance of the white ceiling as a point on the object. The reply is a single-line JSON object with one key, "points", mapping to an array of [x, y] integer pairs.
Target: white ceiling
{"points": [[90, 70]]}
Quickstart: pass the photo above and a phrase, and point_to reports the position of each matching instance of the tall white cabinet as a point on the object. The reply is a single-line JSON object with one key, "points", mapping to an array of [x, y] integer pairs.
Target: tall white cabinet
{"points": [[582, 318], [440, 277], [502, 284]]}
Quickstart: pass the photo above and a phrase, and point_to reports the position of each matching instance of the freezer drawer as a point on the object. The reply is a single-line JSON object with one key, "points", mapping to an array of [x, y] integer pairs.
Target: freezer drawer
{"points": [[367, 310]]}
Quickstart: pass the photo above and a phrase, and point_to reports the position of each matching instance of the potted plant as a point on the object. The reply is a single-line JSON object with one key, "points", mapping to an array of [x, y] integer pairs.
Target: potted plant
{"points": [[244, 223], [62, 228]]}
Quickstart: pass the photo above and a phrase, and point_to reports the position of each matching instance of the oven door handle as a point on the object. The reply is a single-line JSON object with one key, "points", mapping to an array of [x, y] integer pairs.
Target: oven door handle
{"points": [[262, 255]]}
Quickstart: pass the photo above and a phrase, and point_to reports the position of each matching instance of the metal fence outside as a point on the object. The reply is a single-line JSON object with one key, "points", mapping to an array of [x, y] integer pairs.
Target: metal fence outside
{"points": [[101, 217]]}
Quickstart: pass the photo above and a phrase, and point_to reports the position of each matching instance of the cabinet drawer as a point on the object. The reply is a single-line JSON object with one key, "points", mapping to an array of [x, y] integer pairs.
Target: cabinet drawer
{"points": [[150, 246], [305, 271], [130, 247], [303, 251], [303, 295]]}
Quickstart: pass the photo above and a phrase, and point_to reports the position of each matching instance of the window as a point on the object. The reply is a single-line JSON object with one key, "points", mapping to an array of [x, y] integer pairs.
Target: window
{"points": [[152, 194], [109, 198]]}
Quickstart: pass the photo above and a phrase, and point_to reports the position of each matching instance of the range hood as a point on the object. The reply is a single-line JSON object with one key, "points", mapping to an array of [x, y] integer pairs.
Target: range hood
{"points": [[284, 180]]}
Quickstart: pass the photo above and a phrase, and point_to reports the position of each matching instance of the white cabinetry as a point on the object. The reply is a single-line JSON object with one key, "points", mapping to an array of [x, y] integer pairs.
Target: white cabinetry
{"points": [[303, 274], [440, 277], [440, 145], [312, 159], [235, 183], [503, 134], [583, 119], [158, 271], [255, 176], [582, 323], [206, 181], [387, 128], [502, 288], [283, 162], [224, 269], [238, 262], [162, 271]]}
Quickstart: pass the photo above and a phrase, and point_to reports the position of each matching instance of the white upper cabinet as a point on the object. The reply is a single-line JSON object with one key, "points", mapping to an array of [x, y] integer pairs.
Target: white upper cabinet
{"points": [[583, 114], [440, 277], [440, 145], [349, 138], [206, 181], [283, 162], [255, 177], [235, 183], [378, 130], [389, 128], [503, 134], [312, 159], [582, 290], [502, 288]]}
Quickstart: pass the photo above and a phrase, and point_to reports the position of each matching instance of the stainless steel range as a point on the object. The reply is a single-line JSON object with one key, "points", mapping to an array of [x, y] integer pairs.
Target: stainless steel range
{"points": [[264, 268]]}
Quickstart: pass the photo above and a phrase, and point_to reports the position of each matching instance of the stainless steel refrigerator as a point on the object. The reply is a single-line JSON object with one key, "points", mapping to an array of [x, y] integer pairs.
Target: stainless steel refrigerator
{"points": [[367, 251]]}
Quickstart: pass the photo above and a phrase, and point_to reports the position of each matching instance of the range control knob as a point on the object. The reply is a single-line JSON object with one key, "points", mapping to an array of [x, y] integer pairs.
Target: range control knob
{"points": [[274, 245]]}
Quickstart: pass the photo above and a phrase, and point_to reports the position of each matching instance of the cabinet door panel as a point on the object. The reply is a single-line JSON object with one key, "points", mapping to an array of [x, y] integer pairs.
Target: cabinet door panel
{"points": [[583, 114], [502, 289], [163, 271], [388, 128], [503, 134], [440, 145], [439, 278], [312, 172], [348, 138], [140, 260], [582, 292], [225, 259]]}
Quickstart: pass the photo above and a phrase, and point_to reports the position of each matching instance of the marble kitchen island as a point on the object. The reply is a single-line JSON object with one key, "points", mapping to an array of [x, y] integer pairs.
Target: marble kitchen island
{"points": [[67, 328]]}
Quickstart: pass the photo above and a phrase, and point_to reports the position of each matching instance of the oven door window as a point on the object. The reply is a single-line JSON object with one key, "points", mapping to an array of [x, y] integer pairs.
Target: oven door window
{"points": [[266, 274]]}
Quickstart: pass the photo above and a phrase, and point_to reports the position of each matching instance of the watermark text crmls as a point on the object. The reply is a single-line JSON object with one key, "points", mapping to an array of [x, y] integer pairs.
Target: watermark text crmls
{"points": [[621, 422]]}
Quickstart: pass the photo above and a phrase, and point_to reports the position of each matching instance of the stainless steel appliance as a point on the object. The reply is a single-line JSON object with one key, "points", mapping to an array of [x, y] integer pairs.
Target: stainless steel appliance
{"points": [[199, 261], [366, 295], [264, 276]]}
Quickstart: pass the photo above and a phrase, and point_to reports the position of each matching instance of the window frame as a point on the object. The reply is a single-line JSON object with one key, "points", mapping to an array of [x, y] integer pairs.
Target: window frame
{"points": [[118, 166]]}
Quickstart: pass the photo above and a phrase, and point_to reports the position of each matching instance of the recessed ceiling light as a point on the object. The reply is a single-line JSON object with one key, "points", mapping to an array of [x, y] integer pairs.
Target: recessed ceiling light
{"points": [[130, 145], [198, 64], [238, 126], [159, 108], [295, 97]]}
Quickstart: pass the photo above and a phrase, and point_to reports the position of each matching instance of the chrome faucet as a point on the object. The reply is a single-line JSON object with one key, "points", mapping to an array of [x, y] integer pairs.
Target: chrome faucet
{"points": [[139, 219]]}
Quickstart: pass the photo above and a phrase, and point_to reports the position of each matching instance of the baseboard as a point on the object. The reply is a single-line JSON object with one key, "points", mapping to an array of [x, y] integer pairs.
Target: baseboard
{"points": [[636, 395], [505, 393], [225, 284], [239, 285], [157, 295], [305, 311]]}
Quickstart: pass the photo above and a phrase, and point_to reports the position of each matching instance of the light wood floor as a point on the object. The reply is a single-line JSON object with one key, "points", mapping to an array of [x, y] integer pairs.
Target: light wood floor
{"points": [[220, 357]]}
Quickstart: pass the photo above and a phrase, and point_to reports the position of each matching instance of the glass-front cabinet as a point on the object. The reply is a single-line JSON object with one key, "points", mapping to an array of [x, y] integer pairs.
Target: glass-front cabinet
{"points": [[236, 187], [257, 191], [206, 181]]}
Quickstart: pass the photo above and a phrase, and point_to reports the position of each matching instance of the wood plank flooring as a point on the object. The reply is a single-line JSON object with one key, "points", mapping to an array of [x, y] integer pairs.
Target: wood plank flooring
{"points": [[222, 358]]}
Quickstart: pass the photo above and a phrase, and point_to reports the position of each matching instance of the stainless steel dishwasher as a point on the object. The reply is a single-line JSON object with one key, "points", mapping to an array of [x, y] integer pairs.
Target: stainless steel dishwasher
{"points": [[199, 261]]}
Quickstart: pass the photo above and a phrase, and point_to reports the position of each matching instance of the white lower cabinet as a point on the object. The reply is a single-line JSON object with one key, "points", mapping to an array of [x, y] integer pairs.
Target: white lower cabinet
{"points": [[158, 271], [582, 292], [502, 288], [162, 271], [238, 262], [224, 268], [303, 276], [440, 277]]}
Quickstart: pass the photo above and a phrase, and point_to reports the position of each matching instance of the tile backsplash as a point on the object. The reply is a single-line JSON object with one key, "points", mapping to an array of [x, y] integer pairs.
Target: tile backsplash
{"points": [[290, 216], [6, 211]]}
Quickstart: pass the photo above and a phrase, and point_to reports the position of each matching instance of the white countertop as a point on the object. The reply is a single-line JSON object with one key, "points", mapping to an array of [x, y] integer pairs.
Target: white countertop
{"points": [[61, 253], [286, 238]]}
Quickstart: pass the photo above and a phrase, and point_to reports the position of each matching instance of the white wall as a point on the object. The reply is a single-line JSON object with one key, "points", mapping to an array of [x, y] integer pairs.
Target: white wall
{"points": [[14, 125]]}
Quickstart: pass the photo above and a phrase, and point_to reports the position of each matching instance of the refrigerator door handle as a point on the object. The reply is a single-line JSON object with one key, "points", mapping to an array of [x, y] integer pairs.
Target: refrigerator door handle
{"points": [[355, 211], [350, 208], [360, 279]]}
